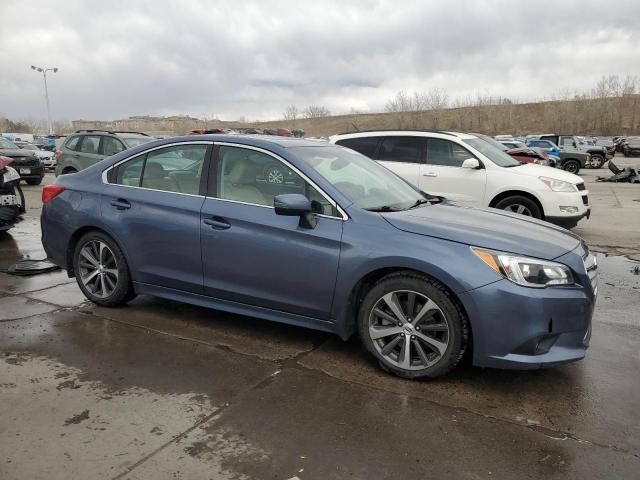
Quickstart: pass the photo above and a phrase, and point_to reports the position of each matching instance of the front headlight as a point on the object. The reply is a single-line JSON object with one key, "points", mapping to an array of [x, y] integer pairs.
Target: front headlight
{"points": [[558, 185], [525, 271]]}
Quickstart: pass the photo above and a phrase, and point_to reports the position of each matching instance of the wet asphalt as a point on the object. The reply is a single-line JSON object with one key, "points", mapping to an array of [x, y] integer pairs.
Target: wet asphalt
{"points": [[160, 390]]}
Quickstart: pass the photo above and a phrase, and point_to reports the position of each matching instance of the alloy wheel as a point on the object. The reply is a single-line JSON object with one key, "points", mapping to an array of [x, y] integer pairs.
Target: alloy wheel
{"points": [[98, 269], [519, 208], [409, 330]]}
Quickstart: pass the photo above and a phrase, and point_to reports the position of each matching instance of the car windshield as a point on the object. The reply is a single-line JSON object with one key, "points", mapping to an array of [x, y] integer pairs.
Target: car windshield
{"points": [[4, 143], [135, 141], [493, 153], [363, 181]]}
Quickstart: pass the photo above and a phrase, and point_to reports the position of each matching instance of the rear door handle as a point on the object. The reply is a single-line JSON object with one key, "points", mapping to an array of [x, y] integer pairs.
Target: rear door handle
{"points": [[120, 204], [430, 174], [217, 223]]}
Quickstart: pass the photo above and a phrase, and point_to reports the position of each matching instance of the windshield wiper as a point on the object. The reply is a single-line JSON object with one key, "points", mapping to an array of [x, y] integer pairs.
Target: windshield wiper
{"points": [[422, 201], [383, 208]]}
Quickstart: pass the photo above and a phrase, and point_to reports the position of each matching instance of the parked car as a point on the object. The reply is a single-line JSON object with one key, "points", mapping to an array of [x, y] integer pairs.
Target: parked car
{"points": [[86, 147], [631, 147], [521, 154], [47, 158], [12, 205], [598, 154], [568, 158], [547, 145], [469, 170], [25, 162], [351, 247], [512, 143]]}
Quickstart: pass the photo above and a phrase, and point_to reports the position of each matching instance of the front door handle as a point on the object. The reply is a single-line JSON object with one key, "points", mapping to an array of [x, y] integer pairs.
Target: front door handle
{"points": [[430, 174], [217, 223], [120, 204]]}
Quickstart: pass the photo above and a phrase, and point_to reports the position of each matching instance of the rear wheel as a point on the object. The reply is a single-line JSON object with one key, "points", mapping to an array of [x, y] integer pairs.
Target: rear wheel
{"points": [[101, 270], [571, 166], [412, 326], [34, 181], [69, 170], [520, 205]]}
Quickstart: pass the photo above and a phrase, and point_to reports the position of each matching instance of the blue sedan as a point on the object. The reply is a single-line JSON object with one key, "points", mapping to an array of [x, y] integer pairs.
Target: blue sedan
{"points": [[313, 234]]}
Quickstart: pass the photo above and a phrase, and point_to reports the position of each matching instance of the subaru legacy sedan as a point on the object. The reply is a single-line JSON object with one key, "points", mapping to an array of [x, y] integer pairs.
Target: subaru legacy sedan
{"points": [[337, 243]]}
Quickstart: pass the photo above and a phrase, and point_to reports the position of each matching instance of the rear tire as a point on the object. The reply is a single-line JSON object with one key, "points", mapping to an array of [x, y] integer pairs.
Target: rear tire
{"points": [[101, 270], [426, 335], [571, 166], [68, 170], [521, 205], [34, 181]]}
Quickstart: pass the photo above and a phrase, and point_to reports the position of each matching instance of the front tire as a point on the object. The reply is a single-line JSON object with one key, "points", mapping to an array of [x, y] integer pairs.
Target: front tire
{"points": [[412, 326], [597, 161], [521, 205], [34, 181], [101, 270]]}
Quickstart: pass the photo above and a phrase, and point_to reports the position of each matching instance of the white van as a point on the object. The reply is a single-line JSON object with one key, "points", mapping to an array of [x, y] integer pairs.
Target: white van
{"points": [[469, 170]]}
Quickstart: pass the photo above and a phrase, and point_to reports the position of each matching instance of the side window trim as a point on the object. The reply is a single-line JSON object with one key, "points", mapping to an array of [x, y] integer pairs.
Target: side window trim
{"points": [[110, 173], [212, 194]]}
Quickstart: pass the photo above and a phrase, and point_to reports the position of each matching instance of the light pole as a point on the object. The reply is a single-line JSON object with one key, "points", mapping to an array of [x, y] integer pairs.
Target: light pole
{"points": [[46, 91]]}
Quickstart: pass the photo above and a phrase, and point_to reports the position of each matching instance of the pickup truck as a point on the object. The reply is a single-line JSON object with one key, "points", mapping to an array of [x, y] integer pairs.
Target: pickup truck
{"points": [[599, 154]]}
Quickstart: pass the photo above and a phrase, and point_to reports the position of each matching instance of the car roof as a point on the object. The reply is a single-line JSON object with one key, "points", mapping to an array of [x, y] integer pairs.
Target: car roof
{"points": [[411, 133], [253, 140]]}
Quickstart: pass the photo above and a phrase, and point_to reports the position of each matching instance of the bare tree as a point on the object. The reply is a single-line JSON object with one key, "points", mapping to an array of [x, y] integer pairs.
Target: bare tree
{"points": [[290, 113], [316, 111]]}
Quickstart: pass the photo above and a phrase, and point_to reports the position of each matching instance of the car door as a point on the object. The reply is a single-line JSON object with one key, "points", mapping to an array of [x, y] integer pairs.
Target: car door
{"points": [[152, 205], [403, 155], [443, 175], [252, 256]]}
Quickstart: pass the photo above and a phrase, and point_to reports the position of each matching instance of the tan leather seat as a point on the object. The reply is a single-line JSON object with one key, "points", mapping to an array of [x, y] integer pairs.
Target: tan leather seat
{"points": [[238, 183]]}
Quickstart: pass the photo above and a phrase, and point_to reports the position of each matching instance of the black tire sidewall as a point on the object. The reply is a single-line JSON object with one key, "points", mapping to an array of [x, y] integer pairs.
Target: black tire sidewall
{"points": [[571, 162], [453, 315], [124, 290], [526, 201]]}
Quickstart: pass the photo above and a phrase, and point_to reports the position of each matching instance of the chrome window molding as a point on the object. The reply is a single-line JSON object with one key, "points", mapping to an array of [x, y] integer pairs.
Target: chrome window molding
{"points": [[343, 215]]}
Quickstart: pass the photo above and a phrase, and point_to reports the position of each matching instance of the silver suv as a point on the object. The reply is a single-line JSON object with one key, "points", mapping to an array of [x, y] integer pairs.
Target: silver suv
{"points": [[86, 147]]}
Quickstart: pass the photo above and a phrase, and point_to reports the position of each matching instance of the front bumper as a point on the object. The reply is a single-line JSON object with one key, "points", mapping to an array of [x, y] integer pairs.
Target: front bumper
{"points": [[516, 327], [565, 209], [29, 172]]}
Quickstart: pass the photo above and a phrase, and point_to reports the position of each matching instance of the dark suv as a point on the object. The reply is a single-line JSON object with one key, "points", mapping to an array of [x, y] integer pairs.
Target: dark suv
{"points": [[86, 147], [26, 163]]}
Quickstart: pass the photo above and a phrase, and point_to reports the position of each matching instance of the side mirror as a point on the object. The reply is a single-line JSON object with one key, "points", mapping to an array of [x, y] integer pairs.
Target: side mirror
{"points": [[295, 205], [471, 163]]}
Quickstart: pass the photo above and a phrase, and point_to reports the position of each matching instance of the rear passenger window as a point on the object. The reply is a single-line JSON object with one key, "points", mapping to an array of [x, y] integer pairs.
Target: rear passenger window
{"points": [[402, 149], [446, 153], [364, 145], [72, 143], [90, 144], [111, 146], [174, 169]]}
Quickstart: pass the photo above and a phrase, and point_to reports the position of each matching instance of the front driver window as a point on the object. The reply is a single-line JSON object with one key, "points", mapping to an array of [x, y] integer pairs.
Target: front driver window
{"points": [[253, 177], [446, 153]]}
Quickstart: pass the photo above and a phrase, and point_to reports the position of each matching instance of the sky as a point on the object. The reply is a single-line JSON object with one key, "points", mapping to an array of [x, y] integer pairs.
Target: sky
{"points": [[251, 59]]}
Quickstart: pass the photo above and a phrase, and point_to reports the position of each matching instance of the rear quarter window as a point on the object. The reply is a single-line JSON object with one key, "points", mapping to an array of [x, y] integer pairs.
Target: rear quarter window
{"points": [[72, 143], [365, 145]]}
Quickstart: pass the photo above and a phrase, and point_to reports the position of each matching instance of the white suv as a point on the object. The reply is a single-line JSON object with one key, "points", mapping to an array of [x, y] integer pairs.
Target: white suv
{"points": [[469, 170]]}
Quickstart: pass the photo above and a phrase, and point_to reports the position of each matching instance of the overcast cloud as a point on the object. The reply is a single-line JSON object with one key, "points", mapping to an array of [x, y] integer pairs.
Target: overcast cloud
{"points": [[252, 59]]}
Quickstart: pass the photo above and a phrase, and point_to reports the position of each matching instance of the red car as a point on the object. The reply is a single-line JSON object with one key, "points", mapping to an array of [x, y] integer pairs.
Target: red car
{"points": [[531, 155]]}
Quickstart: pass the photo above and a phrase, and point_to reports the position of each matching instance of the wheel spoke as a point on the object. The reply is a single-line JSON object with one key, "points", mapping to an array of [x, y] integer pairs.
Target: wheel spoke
{"points": [[434, 327], [520, 209], [103, 286], [404, 358], [377, 332], [421, 353], [436, 345], [90, 277], [88, 255], [101, 252], [386, 316], [391, 299], [391, 345], [110, 283], [111, 271], [426, 308], [411, 304]]}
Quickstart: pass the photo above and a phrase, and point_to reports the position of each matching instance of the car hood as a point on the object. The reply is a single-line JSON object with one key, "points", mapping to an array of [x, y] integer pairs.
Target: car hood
{"points": [[487, 228], [16, 152], [533, 170]]}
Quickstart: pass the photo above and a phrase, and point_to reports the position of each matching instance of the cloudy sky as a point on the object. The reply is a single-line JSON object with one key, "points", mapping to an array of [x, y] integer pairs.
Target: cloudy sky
{"points": [[253, 58]]}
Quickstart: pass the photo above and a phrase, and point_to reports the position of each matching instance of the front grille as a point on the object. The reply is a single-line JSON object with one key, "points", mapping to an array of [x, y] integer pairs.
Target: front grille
{"points": [[585, 199], [581, 187], [591, 267]]}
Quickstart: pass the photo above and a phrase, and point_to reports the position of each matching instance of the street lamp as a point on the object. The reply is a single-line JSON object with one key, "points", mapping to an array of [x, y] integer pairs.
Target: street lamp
{"points": [[46, 91]]}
